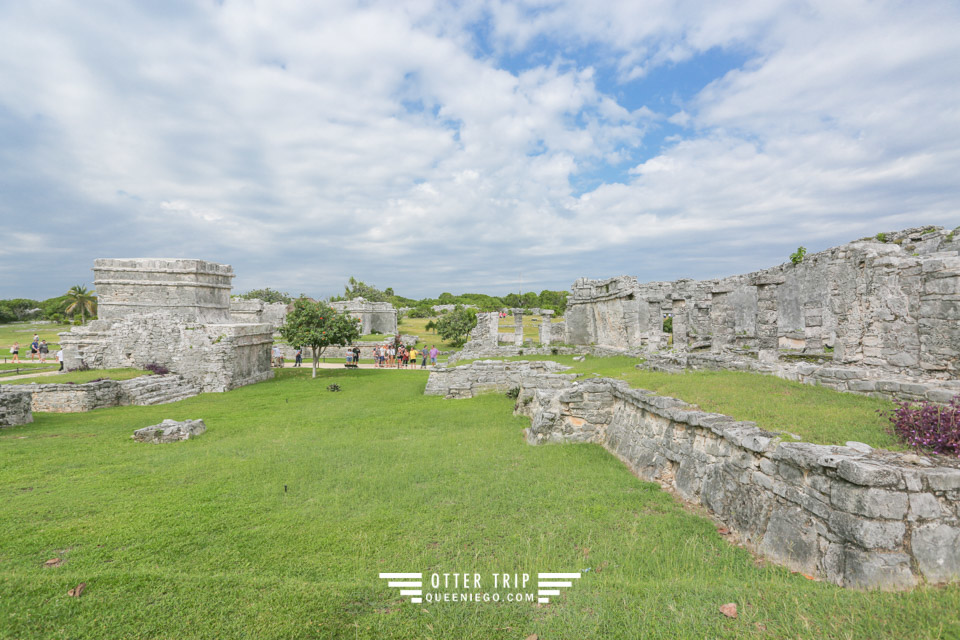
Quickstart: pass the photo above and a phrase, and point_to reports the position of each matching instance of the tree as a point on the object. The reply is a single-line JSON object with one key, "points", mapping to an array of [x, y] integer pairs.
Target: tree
{"points": [[81, 300], [316, 325], [268, 295], [455, 326]]}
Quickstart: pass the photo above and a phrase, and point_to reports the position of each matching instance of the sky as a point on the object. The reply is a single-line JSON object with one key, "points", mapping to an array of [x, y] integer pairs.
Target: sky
{"points": [[473, 146]]}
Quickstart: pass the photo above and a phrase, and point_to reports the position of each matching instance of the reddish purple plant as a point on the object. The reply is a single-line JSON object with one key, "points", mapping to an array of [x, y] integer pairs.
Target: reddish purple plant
{"points": [[157, 369], [928, 426]]}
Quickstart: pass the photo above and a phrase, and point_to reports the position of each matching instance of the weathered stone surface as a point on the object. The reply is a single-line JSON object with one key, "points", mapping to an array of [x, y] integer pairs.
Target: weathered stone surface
{"points": [[495, 375], [375, 317], [76, 398], [936, 548], [871, 570], [15, 408], [170, 431], [175, 313]]}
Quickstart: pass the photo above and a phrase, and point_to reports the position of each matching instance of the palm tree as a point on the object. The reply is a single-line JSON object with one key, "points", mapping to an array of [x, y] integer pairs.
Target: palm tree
{"points": [[82, 300]]}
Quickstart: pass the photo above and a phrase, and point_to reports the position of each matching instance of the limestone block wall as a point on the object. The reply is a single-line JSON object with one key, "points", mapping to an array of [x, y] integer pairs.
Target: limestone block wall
{"points": [[258, 312], [215, 357], [15, 407], [375, 317], [892, 305], [195, 290], [78, 398], [494, 375], [849, 515]]}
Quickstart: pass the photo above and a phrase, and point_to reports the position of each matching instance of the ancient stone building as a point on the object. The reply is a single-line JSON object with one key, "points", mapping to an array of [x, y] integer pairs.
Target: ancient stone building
{"points": [[892, 305], [375, 317], [257, 311], [175, 313]]}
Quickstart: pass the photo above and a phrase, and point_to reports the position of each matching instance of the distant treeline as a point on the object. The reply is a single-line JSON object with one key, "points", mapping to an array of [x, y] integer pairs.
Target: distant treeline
{"points": [[555, 300], [19, 309]]}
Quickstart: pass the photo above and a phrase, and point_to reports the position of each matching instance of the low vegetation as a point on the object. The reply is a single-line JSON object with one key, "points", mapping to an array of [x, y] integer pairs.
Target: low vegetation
{"points": [[277, 522]]}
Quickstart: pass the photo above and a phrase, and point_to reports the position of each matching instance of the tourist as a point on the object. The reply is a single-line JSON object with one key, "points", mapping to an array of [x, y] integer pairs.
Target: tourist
{"points": [[15, 350], [60, 358], [423, 365], [299, 357], [383, 355], [391, 355], [34, 348], [44, 350], [406, 357], [433, 355], [277, 356], [376, 355], [413, 357], [356, 355]]}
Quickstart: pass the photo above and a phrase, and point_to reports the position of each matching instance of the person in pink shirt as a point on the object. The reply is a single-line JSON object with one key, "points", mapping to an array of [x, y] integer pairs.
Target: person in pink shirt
{"points": [[433, 354]]}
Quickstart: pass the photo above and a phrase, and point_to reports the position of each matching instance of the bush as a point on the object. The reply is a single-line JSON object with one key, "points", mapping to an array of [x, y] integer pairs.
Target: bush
{"points": [[882, 237], [333, 387], [928, 426], [797, 256], [668, 324], [513, 393], [157, 369], [83, 366]]}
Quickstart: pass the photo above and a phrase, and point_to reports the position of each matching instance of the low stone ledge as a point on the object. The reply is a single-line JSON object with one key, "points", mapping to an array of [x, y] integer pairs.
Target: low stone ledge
{"points": [[851, 515], [15, 407], [78, 398], [495, 375], [170, 431]]}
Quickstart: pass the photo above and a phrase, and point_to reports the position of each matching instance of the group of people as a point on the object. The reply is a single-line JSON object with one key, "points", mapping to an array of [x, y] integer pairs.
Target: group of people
{"points": [[39, 349], [387, 355]]}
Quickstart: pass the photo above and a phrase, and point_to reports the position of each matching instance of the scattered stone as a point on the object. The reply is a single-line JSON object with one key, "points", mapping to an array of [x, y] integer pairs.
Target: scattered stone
{"points": [[170, 431], [729, 609], [53, 562], [77, 591], [858, 446], [15, 407]]}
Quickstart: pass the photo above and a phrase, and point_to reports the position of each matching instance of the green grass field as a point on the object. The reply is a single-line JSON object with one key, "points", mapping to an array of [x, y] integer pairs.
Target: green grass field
{"points": [[81, 376], [277, 522], [816, 414], [23, 333]]}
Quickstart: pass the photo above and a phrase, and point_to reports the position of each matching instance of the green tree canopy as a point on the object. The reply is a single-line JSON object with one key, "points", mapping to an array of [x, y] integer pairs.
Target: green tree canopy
{"points": [[316, 325], [456, 325], [82, 300], [267, 295]]}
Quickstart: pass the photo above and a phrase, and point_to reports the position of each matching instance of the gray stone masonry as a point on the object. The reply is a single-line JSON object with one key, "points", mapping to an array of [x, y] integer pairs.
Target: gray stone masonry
{"points": [[77, 398], [483, 376], [375, 317], [518, 327], [15, 407], [170, 431], [849, 515], [257, 311], [892, 307], [172, 312], [546, 327]]}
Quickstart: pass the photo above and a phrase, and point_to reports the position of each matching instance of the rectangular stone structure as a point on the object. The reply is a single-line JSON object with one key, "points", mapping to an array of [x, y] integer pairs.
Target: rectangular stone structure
{"points": [[374, 317]]}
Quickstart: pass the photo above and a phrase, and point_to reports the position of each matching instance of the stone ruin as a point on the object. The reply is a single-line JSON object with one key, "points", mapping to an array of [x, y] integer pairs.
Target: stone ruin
{"points": [[15, 406], [257, 311], [171, 312], [881, 309], [375, 317]]}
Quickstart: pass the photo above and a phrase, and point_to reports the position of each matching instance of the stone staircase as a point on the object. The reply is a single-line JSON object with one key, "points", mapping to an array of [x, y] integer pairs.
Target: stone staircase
{"points": [[148, 390]]}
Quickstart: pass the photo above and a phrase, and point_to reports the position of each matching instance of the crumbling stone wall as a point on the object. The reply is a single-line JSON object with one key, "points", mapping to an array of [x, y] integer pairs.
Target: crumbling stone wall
{"points": [[257, 311], [375, 317], [892, 305], [494, 375], [850, 515], [175, 313], [14, 407], [78, 398]]}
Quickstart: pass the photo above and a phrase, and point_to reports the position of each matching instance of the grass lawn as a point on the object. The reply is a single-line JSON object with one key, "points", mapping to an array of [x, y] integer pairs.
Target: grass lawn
{"points": [[277, 522], [23, 333], [82, 376], [26, 364], [417, 327], [816, 414]]}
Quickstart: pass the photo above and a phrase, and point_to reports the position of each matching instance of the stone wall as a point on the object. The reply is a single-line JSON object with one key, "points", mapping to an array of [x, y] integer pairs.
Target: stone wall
{"points": [[77, 398], [14, 406], [890, 305], [257, 311], [175, 313], [495, 375], [849, 515], [375, 317]]}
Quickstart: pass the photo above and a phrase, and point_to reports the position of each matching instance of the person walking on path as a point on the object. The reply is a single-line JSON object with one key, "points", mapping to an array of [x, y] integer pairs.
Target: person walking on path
{"points": [[423, 365], [356, 355], [299, 359], [433, 355], [34, 348], [15, 350], [60, 358], [44, 350]]}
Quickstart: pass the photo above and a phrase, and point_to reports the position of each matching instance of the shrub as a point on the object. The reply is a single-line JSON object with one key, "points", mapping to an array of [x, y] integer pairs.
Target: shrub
{"points": [[333, 387], [882, 237], [157, 369], [668, 324], [513, 393], [797, 256], [83, 366], [927, 425], [554, 350]]}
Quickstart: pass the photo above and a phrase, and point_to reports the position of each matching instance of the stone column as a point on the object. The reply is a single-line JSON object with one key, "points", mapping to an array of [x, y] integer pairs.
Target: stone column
{"points": [[680, 323], [813, 326], [546, 317], [768, 339], [721, 319], [518, 326]]}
